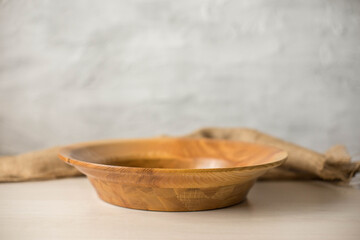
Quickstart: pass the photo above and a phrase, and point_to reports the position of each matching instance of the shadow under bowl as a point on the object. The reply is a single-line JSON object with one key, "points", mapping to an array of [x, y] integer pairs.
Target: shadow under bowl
{"points": [[172, 174]]}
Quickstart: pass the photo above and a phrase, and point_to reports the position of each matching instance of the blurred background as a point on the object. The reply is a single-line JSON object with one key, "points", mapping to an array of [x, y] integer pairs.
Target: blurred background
{"points": [[77, 70]]}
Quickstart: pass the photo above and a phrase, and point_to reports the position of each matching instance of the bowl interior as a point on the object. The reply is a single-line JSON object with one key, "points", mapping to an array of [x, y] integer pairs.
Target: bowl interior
{"points": [[173, 153], [167, 162]]}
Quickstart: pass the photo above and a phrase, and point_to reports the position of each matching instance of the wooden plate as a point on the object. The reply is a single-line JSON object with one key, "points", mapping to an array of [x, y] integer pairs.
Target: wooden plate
{"points": [[172, 174]]}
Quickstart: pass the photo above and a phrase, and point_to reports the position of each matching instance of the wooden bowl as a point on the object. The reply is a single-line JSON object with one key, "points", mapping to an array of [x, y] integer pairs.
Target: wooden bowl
{"points": [[172, 174]]}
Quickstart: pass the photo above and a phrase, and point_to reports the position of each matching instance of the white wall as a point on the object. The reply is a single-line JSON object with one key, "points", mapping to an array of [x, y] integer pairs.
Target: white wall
{"points": [[81, 70]]}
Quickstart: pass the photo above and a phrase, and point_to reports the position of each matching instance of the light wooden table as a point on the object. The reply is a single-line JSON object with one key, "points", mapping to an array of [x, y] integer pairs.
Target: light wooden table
{"points": [[70, 209]]}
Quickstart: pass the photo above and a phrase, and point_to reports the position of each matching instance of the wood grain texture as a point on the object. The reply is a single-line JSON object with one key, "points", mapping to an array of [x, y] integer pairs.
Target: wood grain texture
{"points": [[172, 174]]}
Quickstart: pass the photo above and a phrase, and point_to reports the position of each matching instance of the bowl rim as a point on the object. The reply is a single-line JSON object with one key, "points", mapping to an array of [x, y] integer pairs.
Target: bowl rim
{"points": [[280, 157]]}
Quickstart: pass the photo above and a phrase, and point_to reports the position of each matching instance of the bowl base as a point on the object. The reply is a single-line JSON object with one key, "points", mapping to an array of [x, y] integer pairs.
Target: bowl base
{"points": [[170, 199]]}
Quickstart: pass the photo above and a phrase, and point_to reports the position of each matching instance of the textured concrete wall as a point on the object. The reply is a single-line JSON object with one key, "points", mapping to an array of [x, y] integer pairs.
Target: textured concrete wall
{"points": [[81, 70]]}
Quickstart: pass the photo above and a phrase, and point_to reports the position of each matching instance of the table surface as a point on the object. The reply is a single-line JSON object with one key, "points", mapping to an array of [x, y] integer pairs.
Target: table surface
{"points": [[70, 209]]}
